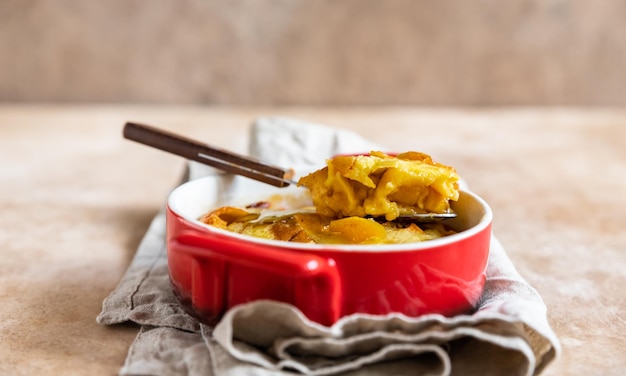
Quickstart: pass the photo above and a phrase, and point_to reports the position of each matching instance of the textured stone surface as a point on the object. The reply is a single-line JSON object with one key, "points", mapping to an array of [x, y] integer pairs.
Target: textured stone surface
{"points": [[76, 199], [403, 52]]}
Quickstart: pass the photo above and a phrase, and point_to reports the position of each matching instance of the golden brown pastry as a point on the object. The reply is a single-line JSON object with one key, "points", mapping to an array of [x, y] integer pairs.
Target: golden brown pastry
{"points": [[380, 185]]}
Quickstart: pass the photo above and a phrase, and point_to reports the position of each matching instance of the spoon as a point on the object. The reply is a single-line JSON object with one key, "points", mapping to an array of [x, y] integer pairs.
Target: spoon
{"points": [[233, 163]]}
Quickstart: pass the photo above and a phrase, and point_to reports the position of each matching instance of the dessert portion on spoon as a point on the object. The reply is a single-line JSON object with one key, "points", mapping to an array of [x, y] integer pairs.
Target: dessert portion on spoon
{"points": [[437, 177], [381, 185]]}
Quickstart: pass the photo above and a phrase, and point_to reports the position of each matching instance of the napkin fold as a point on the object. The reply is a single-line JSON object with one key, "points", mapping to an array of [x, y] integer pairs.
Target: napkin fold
{"points": [[508, 333]]}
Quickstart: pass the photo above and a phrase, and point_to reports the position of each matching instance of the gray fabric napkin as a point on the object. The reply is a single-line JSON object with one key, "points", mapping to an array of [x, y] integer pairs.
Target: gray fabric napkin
{"points": [[508, 334]]}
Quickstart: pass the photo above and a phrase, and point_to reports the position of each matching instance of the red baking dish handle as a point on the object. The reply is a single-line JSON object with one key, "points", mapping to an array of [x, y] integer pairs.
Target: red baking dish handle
{"points": [[318, 284]]}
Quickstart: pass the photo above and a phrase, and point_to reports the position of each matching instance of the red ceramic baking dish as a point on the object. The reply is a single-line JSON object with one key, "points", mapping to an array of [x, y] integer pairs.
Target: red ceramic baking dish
{"points": [[212, 270]]}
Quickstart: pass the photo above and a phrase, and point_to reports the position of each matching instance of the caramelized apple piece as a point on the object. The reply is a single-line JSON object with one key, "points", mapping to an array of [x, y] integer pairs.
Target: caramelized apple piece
{"points": [[226, 215], [357, 230]]}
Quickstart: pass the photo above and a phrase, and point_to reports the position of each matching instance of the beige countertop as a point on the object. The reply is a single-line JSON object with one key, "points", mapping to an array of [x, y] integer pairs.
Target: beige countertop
{"points": [[76, 198]]}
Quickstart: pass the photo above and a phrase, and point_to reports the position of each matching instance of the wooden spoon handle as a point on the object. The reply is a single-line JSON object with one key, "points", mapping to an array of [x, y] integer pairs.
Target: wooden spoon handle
{"points": [[203, 153]]}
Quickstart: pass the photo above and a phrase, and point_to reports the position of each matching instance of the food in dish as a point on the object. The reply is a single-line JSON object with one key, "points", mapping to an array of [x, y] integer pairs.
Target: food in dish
{"points": [[356, 200], [310, 227]]}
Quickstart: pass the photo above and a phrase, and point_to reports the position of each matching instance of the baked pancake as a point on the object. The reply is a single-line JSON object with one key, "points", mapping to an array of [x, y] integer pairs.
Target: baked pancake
{"points": [[311, 227]]}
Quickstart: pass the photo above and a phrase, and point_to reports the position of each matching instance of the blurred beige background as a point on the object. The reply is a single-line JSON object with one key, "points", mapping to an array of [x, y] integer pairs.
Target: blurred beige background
{"points": [[346, 52]]}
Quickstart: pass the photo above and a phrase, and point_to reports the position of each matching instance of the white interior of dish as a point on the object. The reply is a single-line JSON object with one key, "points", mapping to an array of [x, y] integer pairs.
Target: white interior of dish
{"points": [[192, 199]]}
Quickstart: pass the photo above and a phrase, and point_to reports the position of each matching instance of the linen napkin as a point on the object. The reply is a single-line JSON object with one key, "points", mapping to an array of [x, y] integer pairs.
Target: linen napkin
{"points": [[507, 334]]}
